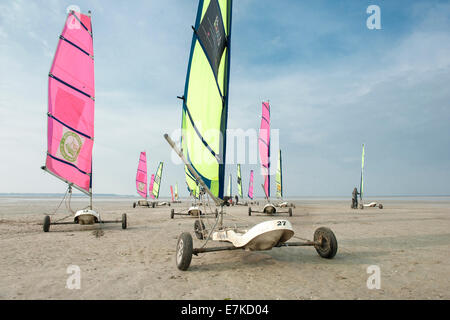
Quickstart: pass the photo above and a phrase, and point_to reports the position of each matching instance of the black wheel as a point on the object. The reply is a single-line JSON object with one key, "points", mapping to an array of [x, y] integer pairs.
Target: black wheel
{"points": [[380, 206], [249, 211], [361, 206], [153, 204], [328, 247], [184, 251], [169, 204], [124, 221], [216, 212], [46, 224], [134, 204], [290, 212], [172, 213], [199, 226]]}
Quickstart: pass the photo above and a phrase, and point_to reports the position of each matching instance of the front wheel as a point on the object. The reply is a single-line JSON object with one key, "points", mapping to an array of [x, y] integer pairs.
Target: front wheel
{"points": [[46, 224], [184, 251], [327, 244], [134, 204], [199, 226], [290, 212], [380, 206], [249, 211], [124, 221]]}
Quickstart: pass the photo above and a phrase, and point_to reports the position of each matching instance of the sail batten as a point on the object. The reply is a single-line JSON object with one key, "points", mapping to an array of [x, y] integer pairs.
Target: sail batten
{"points": [[70, 115]]}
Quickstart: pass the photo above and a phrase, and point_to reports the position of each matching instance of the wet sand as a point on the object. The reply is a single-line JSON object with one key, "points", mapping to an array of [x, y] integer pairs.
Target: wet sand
{"points": [[408, 239]]}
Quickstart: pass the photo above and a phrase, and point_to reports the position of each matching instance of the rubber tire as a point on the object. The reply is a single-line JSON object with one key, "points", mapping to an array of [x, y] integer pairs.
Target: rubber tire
{"points": [[290, 212], [124, 221], [46, 226], [249, 211], [185, 244], [361, 206], [153, 204], [216, 212], [134, 204], [172, 213], [380, 206], [331, 245], [197, 230]]}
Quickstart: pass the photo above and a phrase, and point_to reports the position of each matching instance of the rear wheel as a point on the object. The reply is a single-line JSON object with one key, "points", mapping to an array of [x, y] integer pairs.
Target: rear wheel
{"points": [[134, 204], [328, 244], [184, 251], [199, 226], [290, 212], [153, 204], [46, 224], [172, 213], [124, 221], [216, 212], [380, 206], [249, 211]]}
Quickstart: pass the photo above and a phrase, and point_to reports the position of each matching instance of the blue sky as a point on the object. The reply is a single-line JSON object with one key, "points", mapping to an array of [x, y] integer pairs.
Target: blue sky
{"points": [[333, 85]]}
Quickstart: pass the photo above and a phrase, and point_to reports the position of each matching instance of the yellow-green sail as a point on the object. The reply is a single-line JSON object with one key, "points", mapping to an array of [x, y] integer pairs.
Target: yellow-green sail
{"points": [[157, 182], [239, 181], [279, 177], [176, 191], [205, 100]]}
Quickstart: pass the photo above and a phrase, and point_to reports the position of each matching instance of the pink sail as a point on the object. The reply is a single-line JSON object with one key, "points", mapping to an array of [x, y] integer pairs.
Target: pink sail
{"points": [[171, 192], [264, 147], [150, 190], [141, 175], [71, 99], [250, 186]]}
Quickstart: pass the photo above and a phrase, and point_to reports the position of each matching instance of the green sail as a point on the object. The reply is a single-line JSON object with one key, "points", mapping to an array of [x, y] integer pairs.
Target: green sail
{"points": [[279, 177], [239, 181], [157, 183], [205, 100]]}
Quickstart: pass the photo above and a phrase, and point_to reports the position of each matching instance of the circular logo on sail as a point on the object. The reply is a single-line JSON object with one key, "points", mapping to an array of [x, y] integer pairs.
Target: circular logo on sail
{"points": [[70, 146]]}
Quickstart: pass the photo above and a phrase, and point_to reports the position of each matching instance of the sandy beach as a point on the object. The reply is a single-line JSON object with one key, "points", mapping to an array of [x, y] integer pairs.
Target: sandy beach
{"points": [[409, 239]]}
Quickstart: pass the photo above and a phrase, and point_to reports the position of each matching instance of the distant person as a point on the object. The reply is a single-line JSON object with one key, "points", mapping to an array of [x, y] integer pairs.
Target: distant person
{"points": [[355, 198]]}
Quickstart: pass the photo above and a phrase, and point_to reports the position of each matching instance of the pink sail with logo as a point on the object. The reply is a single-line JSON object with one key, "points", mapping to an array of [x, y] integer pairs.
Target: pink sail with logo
{"points": [[71, 99], [264, 147], [250, 186], [150, 190], [141, 175]]}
